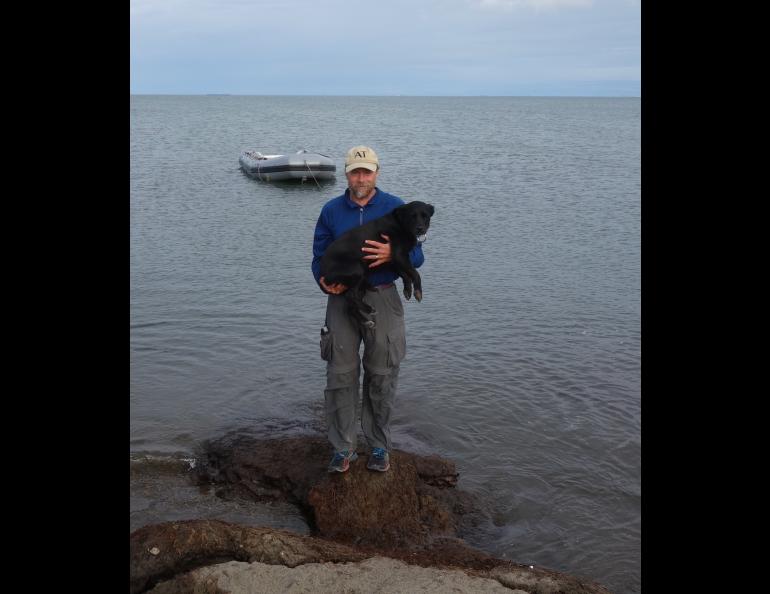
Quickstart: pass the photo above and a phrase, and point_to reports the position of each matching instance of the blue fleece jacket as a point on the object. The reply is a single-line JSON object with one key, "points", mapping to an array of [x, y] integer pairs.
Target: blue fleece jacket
{"points": [[341, 214]]}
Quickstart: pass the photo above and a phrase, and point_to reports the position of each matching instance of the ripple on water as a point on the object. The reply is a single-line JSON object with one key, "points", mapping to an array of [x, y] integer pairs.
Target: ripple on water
{"points": [[523, 360]]}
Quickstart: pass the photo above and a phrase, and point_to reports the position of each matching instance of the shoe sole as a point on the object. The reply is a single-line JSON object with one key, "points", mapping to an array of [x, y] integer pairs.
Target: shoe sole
{"points": [[352, 458], [380, 469]]}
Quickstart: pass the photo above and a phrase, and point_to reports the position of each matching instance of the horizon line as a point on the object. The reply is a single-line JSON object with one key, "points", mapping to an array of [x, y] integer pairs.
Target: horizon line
{"points": [[367, 95]]}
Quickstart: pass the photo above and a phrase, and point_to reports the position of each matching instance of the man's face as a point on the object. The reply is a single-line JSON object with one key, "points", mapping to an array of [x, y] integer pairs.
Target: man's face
{"points": [[361, 181]]}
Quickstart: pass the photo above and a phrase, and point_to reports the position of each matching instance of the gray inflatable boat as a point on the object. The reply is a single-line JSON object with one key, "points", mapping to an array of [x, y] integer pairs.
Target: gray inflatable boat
{"points": [[302, 165]]}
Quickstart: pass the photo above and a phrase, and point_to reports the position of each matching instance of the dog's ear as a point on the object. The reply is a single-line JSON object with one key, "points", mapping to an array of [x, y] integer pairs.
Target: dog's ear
{"points": [[399, 213], [431, 210]]}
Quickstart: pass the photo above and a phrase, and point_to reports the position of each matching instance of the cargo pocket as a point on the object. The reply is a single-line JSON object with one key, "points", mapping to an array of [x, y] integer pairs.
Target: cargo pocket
{"points": [[396, 348], [394, 303], [326, 346]]}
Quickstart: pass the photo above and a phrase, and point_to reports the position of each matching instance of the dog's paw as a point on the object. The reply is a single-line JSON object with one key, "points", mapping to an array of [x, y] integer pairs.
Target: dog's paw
{"points": [[408, 292], [418, 294]]}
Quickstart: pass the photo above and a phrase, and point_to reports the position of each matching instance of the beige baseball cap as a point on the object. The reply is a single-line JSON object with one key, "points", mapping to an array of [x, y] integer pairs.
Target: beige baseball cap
{"points": [[361, 156]]}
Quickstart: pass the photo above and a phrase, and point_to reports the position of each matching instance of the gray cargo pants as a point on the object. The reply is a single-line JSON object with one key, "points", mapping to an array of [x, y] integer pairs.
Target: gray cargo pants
{"points": [[384, 349]]}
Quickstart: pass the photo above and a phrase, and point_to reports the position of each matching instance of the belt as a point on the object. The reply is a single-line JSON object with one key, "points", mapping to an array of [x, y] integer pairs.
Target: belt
{"points": [[381, 287]]}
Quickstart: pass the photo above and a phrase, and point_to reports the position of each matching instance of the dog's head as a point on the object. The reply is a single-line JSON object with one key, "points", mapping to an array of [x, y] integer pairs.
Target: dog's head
{"points": [[415, 218]]}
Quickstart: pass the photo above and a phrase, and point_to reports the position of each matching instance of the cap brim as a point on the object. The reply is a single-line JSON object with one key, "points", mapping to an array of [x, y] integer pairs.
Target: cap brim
{"points": [[369, 166]]}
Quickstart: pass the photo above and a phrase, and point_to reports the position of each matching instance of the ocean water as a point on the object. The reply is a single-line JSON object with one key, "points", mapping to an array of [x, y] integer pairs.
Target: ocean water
{"points": [[523, 359]]}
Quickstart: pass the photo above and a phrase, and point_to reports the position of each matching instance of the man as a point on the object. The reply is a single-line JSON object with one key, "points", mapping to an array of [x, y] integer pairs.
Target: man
{"points": [[341, 337]]}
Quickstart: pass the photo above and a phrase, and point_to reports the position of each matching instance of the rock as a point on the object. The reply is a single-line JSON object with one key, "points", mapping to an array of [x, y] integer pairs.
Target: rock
{"points": [[411, 504], [364, 507], [413, 513], [543, 581], [211, 556], [378, 574], [188, 544]]}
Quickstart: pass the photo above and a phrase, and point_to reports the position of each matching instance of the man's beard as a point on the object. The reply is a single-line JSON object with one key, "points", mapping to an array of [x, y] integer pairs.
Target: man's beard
{"points": [[362, 192]]}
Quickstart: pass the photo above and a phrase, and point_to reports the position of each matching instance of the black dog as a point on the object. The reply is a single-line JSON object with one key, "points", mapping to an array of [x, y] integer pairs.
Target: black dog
{"points": [[342, 261]]}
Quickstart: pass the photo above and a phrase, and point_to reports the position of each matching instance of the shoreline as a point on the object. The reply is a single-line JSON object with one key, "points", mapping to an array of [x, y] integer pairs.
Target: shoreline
{"points": [[215, 556], [405, 526]]}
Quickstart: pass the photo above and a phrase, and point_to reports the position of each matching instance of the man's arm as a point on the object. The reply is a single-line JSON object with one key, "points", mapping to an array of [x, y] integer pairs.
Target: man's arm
{"points": [[416, 256], [322, 238], [380, 253]]}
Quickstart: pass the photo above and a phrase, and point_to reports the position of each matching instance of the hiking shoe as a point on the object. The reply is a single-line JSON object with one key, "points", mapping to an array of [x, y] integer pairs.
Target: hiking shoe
{"points": [[379, 460], [341, 461]]}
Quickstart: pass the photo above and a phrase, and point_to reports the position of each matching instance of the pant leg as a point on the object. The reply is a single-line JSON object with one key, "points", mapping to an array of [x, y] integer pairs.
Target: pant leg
{"points": [[341, 397], [340, 350], [384, 349]]}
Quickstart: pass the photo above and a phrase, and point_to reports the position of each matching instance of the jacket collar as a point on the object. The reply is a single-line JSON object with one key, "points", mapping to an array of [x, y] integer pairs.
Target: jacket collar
{"points": [[352, 204]]}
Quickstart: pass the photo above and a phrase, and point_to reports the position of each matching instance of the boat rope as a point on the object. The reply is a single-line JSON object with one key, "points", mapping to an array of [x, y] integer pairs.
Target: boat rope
{"points": [[311, 173]]}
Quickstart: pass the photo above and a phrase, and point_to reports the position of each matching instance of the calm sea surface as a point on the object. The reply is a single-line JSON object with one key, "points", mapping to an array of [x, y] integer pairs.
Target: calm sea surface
{"points": [[523, 359]]}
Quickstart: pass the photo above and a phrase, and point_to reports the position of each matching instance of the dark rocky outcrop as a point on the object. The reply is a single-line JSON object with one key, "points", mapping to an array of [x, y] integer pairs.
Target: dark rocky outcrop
{"points": [[167, 554], [413, 514], [161, 551], [410, 505]]}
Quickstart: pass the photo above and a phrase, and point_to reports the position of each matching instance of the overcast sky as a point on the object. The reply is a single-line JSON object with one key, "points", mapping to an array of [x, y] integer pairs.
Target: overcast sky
{"points": [[389, 47]]}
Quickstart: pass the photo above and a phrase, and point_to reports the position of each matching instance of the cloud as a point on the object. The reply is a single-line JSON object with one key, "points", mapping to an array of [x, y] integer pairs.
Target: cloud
{"points": [[400, 46]]}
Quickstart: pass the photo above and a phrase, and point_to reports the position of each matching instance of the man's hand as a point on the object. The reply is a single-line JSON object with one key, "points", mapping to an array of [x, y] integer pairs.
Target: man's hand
{"points": [[335, 289], [378, 252]]}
